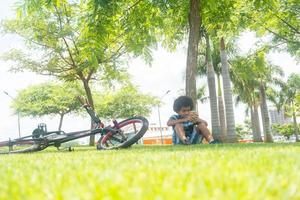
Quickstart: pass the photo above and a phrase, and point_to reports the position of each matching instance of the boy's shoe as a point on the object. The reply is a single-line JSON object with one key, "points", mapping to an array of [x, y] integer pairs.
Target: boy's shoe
{"points": [[216, 141]]}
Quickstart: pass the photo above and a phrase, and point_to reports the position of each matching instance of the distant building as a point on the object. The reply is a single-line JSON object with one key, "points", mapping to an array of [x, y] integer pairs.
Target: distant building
{"points": [[278, 117]]}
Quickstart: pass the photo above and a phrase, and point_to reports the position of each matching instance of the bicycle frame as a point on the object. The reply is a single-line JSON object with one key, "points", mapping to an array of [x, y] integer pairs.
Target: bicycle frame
{"points": [[42, 139]]}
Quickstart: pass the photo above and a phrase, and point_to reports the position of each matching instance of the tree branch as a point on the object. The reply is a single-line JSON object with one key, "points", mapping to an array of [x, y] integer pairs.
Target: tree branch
{"points": [[133, 5], [117, 54], [90, 75], [66, 43], [271, 8], [72, 38], [288, 24], [273, 32]]}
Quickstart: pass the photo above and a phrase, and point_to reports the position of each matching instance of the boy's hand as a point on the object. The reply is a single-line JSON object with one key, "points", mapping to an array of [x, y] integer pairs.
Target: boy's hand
{"points": [[188, 118], [186, 142], [193, 117]]}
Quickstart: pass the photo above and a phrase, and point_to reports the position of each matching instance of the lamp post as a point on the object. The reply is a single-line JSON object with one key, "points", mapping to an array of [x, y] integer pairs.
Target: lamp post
{"points": [[158, 109], [18, 114]]}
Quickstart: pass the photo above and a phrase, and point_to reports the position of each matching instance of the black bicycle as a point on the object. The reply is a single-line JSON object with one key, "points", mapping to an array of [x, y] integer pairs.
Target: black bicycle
{"points": [[119, 135]]}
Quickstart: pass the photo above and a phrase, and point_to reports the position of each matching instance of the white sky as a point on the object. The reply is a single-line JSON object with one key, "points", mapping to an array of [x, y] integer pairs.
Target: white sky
{"points": [[166, 73]]}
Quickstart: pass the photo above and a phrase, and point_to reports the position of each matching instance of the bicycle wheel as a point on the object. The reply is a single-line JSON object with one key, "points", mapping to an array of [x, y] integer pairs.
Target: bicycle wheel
{"points": [[21, 146], [129, 132]]}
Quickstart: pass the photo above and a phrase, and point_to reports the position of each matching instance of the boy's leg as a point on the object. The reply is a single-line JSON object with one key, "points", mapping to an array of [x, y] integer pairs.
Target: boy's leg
{"points": [[195, 137], [202, 129], [180, 132]]}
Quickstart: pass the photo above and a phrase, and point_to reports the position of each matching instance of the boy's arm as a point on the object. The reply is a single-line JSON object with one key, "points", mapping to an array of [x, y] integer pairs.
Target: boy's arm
{"points": [[173, 122], [199, 120]]}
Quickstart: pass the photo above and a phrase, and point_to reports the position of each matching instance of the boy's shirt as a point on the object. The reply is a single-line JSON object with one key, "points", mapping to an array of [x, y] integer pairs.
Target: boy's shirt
{"points": [[187, 126]]}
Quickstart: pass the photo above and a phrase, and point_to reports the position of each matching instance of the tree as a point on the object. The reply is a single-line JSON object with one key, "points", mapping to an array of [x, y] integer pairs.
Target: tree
{"points": [[287, 130], [81, 41], [215, 62], [266, 75], [230, 121], [221, 20], [257, 75], [231, 16], [243, 130], [265, 113], [123, 103], [48, 99], [201, 94], [192, 54], [291, 90], [246, 90], [180, 19], [277, 97], [278, 18], [215, 120], [217, 66]]}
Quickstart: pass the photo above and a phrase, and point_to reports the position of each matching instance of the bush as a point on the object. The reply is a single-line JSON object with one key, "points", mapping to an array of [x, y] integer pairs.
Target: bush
{"points": [[287, 130]]}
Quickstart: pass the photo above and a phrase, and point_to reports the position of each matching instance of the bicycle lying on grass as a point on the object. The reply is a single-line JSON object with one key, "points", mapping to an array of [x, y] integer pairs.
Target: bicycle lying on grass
{"points": [[121, 135]]}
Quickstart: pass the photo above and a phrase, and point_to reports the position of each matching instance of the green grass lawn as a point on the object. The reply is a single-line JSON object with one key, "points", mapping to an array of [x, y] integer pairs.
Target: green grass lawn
{"points": [[240, 171]]}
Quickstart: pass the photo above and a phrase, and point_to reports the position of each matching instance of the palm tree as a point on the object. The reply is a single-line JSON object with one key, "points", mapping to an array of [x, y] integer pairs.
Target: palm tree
{"points": [[277, 97], [266, 75], [230, 122], [216, 60], [257, 131], [257, 75], [245, 88], [215, 120], [216, 57], [265, 113], [291, 90], [252, 104], [216, 63], [221, 109]]}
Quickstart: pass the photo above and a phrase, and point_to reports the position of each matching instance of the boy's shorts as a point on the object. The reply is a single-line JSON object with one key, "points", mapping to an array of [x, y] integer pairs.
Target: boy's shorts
{"points": [[193, 137]]}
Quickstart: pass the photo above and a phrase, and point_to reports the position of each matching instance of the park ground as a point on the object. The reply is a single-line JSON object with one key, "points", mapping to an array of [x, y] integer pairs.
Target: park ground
{"points": [[237, 171]]}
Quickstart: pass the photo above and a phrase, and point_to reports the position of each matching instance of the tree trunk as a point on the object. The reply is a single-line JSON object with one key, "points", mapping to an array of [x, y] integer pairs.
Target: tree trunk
{"points": [[192, 54], [221, 111], [230, 122], [257, 136], [265, 114], [252, 122], [61, 121], [295, 123], [215, 121], [91, 102]]}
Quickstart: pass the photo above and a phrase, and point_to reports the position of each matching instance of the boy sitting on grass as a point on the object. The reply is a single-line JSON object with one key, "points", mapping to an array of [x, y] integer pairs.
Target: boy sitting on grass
{"points": [[187, 125]]}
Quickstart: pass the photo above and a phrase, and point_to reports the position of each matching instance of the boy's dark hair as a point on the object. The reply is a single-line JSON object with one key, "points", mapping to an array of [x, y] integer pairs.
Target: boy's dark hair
{"points": [[183, 101]]}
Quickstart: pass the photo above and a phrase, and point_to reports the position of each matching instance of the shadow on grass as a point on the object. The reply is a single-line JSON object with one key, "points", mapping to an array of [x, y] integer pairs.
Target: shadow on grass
{"points": [[216, 147], [170, 148]]}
